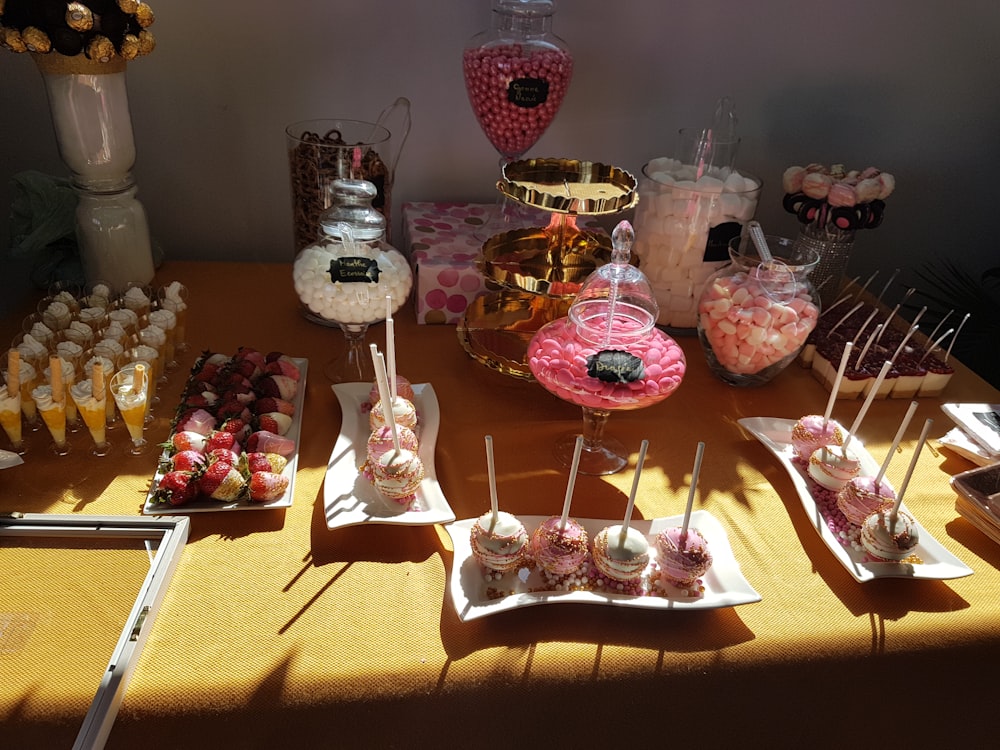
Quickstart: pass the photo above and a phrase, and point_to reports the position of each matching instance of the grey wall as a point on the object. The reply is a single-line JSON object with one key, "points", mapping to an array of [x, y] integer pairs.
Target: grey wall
{"points": [[910, 86]]}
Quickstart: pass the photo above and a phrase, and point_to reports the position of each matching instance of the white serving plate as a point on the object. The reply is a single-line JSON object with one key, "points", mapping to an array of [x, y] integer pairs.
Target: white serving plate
{"points": [[938, 563], [724, 583], [209, 506], [350, 499], [9, 459]]}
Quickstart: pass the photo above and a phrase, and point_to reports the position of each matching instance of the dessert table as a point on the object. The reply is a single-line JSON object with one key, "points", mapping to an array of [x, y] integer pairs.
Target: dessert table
{"points": [[278, 631]]}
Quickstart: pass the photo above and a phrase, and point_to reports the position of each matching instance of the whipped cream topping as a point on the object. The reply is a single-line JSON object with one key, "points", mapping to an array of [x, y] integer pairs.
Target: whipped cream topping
{"points": [[42, 396]]}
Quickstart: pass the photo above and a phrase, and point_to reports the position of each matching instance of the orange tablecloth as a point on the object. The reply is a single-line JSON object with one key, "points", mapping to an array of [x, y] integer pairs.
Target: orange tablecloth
{"points": [[278, 631]]}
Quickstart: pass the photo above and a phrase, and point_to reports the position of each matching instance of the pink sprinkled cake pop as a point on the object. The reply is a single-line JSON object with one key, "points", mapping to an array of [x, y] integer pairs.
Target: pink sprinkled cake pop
{"points": [[682, 553], [559, 548], [682, 557], [813, 431], [560, 544], [380, 442]]}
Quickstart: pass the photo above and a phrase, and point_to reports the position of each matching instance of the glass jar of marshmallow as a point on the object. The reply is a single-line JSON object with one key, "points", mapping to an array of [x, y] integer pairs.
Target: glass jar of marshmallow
{"points": [[686, 216]]}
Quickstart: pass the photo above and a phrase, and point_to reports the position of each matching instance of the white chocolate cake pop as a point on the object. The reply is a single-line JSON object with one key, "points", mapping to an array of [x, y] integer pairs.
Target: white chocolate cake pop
{"points": [[499, 543], [618, 559], [888, 538]]}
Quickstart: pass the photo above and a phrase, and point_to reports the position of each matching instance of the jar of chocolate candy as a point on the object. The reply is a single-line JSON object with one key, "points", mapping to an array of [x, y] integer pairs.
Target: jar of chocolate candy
{"points": [[516, 74], [754, 316], [351, 278]]}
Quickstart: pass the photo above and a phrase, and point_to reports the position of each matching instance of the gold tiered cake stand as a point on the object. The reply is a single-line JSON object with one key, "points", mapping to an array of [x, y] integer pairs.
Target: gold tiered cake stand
{"points": [[536, 272]]}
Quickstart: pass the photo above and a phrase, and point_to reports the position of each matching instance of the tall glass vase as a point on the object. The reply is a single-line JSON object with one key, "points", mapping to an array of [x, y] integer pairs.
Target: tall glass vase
{"points": [[834, 248], [88, 101]]}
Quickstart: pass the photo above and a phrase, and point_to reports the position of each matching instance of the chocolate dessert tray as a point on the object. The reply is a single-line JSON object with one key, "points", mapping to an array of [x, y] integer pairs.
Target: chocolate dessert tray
{"points": [[152, 508], [474, 596], [930, 560], [349, 498]]}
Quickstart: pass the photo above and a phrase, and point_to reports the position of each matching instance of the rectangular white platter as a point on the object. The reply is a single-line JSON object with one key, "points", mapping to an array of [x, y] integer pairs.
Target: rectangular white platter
{"points": [[938, 563], [349, 498], [210, 506], [724, 583]]}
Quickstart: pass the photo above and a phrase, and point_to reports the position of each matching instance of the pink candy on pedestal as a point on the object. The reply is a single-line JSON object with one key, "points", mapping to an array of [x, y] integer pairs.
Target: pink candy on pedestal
{"points": [[559, 361], [750, 330]]}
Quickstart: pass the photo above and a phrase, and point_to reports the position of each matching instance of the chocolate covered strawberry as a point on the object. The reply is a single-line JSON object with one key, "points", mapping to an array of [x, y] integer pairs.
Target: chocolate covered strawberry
{"points": [[186, 440], [176, 488], [265, 486], [279, 386], [189, 460], [195, 420], [257, 461], [222, 439], [270, 403], [282, 365], [274, 422], [265, 441], [220, 481]]}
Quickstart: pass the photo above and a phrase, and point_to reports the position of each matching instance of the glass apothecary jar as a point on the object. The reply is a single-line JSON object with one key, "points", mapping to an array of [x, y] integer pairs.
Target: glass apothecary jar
{"points": [[755, 317], [351, 278], [516, 74]]}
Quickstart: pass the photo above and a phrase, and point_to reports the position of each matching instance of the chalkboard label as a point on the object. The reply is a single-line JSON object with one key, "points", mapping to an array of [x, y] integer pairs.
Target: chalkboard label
{"points": [[717, 247], [348, 270], [615, 366], [527, 92]]}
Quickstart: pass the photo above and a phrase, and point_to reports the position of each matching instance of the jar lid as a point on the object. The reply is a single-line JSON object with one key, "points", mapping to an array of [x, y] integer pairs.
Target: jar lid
{"points": [[525, 7], [352, 210], [617, 300]]}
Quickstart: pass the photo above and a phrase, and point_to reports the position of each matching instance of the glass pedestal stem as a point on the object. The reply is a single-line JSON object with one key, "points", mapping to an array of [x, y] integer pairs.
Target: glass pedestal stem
{"points": [[601, 455], [354, 365]]}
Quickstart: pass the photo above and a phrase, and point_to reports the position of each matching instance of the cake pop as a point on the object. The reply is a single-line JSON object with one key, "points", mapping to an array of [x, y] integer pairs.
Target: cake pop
{"points": [[498, 539], [621, 553]]}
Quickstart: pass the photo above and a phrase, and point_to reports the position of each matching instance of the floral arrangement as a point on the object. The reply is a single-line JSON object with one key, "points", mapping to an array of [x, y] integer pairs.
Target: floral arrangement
{"points": [[99, 30], [835, 201]]}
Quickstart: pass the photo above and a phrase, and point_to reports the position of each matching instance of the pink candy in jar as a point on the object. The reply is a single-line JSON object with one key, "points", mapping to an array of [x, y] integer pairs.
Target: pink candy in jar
{"points": [[616, 376], [754, 317], [516, 74]]}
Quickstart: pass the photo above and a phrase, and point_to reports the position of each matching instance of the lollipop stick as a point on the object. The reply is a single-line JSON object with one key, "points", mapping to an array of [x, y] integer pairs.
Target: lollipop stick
{"points": [[895, 442], [836, 383], [936, 344], [864, 407], [572, 481], [383, 392], [699, 453], [909, 472], [631, 498], [390, 346], [864, 350], [492, 471], [957, 331]]}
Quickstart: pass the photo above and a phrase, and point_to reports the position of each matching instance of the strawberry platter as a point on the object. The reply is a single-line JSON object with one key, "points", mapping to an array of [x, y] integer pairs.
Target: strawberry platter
{"points": [[233, 442]]}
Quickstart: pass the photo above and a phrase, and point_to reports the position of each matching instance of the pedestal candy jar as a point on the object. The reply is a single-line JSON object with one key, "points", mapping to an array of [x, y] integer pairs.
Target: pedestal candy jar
{"points": [[346, 278], [754, 317], [607, 355]]}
